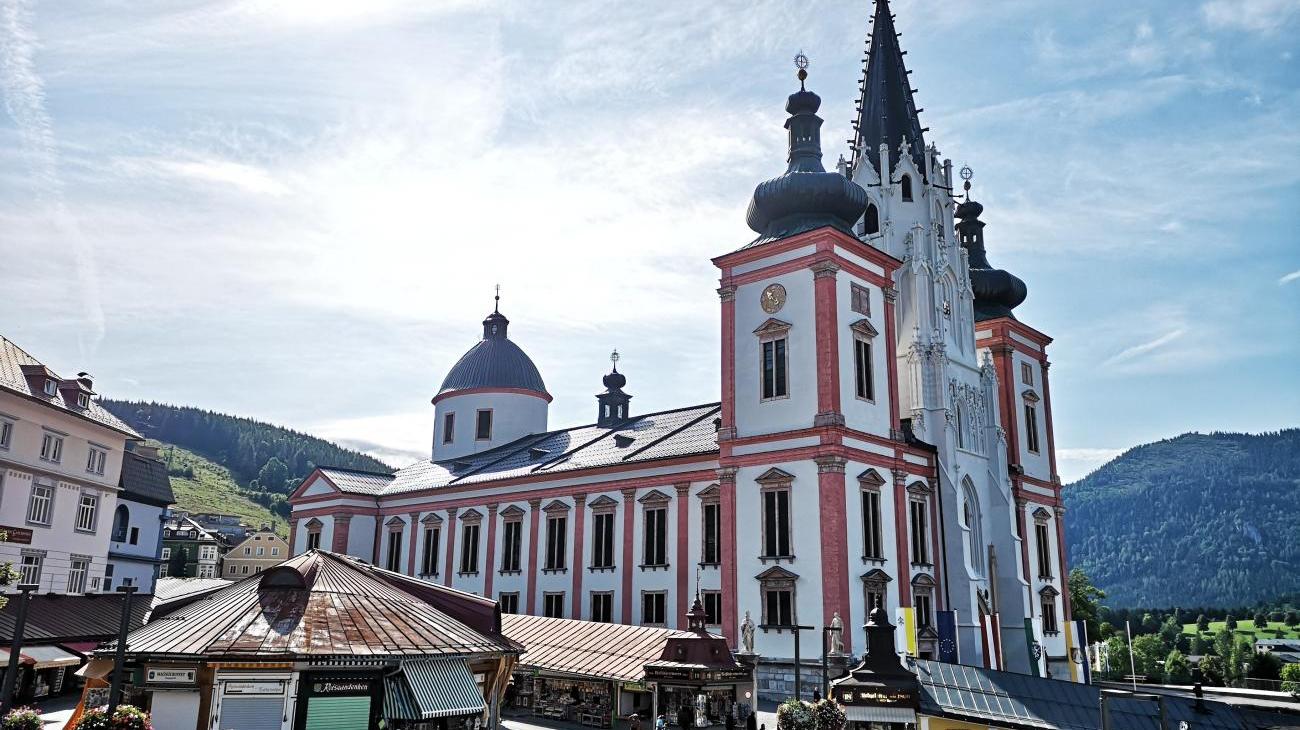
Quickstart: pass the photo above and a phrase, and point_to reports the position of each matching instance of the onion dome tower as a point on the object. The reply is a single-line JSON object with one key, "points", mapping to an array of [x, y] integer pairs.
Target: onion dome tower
{"points": [[613, 403], [806, 196], [491, 396], [997, 291]]}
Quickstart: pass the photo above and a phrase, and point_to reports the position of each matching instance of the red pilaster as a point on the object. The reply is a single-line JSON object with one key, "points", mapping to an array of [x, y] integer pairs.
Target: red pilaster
{"points": [[415, 536], [490, 569], [629, 529], [900, 538], [683, 550], [1047, 414], [728, 296], [375, 544], [1065, 570], [828, 344], [534, 519], [451, 547], [1007, 388], [727, 510], [339, 536], [293, 537], [834, 543], [579, 534], [891, 356]]}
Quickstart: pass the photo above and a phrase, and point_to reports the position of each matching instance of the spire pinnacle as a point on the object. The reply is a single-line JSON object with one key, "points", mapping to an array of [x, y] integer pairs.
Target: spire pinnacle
{"points": [[496, 301], [887, 113]]}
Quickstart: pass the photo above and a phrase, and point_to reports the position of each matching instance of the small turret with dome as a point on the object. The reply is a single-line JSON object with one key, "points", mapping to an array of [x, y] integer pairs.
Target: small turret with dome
{"points": [[493, 395], [613, 403], [997, 291]]}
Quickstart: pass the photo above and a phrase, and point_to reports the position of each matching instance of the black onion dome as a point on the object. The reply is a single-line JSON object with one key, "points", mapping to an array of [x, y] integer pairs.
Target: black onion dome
{"points": [[495, 362], [806, 196], [997, 291], [614, 380]]}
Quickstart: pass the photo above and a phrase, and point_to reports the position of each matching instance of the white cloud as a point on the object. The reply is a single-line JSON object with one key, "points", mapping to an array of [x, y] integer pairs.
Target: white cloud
{"points": [[1140, 350], [1076, 463], [1288, 278], [1256, 16]]}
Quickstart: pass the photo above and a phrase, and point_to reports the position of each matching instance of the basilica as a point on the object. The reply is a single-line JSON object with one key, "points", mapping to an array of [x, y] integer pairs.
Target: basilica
{"points": [[883, 438]]}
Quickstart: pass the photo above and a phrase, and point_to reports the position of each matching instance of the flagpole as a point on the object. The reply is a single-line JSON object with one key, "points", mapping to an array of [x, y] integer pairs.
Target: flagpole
{"points": [[1132, 665]]}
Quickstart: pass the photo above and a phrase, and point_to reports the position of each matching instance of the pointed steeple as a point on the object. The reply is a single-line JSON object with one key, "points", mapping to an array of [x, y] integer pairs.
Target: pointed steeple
{"points": [[886, 110]]}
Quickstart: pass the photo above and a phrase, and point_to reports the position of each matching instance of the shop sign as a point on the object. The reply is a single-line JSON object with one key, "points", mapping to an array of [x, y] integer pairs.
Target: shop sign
{"points": [[635, 687], [696, 675], [877, 697], [171, 675], [16, 535], [255, 688], [340, 687]]}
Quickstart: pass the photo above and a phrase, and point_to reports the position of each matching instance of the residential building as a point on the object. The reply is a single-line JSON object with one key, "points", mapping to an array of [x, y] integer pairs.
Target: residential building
{"points": [[255, 553], [189, 550], [60, 465], [136, 541], [231, 528]]}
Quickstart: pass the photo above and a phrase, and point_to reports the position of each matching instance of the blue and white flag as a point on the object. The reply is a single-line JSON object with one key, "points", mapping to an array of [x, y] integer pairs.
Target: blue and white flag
{"points": [[947, 625]]}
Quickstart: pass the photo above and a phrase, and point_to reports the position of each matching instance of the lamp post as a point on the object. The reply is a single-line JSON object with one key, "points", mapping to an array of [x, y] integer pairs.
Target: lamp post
{"points": [[798, 675], [119, 654], [25, 591]]}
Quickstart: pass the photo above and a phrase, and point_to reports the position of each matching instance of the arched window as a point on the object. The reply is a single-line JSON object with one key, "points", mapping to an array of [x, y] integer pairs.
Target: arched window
{"points": [[906, 185], [970, 516], [121, 523], [871, 221]]}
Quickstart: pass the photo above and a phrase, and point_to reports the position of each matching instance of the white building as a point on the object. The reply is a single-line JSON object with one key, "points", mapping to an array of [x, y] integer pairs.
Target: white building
{"points": [[60, 461], [883, 437], [136, 541]]}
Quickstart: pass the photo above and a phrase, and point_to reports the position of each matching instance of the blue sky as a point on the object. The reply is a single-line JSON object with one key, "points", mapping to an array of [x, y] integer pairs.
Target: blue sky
{"points": [[295, 210]]}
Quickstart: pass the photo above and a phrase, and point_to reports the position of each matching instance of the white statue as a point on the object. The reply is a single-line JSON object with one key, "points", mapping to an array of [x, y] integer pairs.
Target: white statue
{"points": [[747, 634], [837, 634]]}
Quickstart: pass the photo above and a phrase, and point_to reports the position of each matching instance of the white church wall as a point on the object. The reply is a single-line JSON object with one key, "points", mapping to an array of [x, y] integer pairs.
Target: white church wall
{"points": [[513, 415], [361, 537], [857, 563], [1036, 464], [796, 411], [871, 416]]}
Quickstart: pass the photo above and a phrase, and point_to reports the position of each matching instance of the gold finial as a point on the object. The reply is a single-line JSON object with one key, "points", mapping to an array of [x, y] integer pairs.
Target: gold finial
{"points": [[967, 174]]}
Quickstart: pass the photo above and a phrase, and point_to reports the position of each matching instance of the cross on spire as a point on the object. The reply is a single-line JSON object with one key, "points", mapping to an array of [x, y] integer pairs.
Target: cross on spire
{"points": [[613, 357], [496, 301]]}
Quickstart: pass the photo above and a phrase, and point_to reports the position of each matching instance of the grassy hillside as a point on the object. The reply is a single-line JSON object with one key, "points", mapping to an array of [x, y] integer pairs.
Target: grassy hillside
{"points": [[1197, 520], [203, 486], [1246, 629]]}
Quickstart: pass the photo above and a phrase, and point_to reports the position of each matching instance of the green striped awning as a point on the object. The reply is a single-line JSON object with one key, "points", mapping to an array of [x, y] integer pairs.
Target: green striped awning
{"points": [[442, 687], [399, 703]]}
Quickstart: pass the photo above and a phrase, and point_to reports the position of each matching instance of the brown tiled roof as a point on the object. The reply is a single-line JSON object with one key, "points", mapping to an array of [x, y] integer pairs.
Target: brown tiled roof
{"points": [[12, 360], [587, 648], [322, 604], [56, 618]]}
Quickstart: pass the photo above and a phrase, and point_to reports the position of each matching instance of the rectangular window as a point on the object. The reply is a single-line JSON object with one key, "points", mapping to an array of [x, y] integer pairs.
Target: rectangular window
{"points": [[52, 448], [602, 607], [922, 605], [248, 551], [655, 545], [509, 602], [313, 540], [6, 434], [711, 552], [863, 381], [86, 509], [512, 546], [1031, 427], [1026, 373], [448, 427], [873, 544], [394, 551], [778, 607], [556, 542], [553, 605], [602, 551], [275, 551], [483, 425], [860, 300], [875, 596], [429, 561], [1049, 615], [469, 548], [95, 459], [39, 507], [920, 533], [166, 553], [261, 551], [29, 570], [776, 523], [162, 570], [207, 552], [135, 536], [210, 571], [775, 384], [51, 387], [77, 570], [712, 607], [653, 608], [1044, 545]]}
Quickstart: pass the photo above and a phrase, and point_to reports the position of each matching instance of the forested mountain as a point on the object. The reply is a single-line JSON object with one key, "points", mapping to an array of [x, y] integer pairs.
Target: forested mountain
{"points": [[1197, 520], [266, 461]]}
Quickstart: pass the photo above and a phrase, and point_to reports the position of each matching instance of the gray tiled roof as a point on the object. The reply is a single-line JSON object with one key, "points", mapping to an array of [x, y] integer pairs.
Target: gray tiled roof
{"points": [[145, 480], [356, 481], [12, 360], [667, 434]]}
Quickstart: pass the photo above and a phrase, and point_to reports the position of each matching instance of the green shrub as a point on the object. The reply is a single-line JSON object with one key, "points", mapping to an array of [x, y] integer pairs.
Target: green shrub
{"points": [[795, 715], [1291, 679], [127, 717]]}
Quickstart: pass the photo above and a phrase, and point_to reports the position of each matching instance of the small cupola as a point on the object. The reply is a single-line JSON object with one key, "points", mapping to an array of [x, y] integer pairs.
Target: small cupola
{"points": [[613, 403]]}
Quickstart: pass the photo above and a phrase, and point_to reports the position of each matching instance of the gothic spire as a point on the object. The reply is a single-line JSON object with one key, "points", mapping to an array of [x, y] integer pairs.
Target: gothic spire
{"points": [[886, 110]]}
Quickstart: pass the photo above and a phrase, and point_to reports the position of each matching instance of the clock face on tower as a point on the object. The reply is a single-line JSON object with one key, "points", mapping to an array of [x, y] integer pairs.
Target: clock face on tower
{"points": [[772, 298]]}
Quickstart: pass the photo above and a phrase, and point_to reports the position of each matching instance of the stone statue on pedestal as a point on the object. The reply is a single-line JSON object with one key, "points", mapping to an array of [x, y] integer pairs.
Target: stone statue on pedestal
{"points": [[747, 634]]}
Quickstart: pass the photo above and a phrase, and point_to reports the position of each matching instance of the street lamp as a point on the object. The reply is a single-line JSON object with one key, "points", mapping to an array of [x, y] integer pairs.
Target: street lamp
{"points": [[25, 591], [798, 675], [119, 655]]}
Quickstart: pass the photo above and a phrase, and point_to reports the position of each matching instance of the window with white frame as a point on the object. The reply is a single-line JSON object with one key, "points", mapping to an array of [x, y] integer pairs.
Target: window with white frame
{"points": [[971, 522], [52, 448], [602, 533], [429, 549], [654, 608], [1026, 373], [394, 554], [87, 508], [509, 601], [95, 459], [469, 548], [162, 570], [207, 552], [863, 379], [923, 602], [29, 567], [1047, 598], [919, 511], [1043, 544], [602, 607], [448, 427], [40, 505], [313, 539], [654, 530], [261, 551], [775, 368], [210, 571], [78, 568], [166, 553], [483, 425], [776, 585], [6, 433], [875, 587], [1031, 421], [553, 605], [51, 387], [557, 525], [712, 607], [248, 550], [512, 541], [873, 540], [711, 522]]}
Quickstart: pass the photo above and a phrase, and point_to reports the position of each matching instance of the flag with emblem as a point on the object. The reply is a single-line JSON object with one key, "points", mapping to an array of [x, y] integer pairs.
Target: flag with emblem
{"points": [[907, 620], [947, 625]]}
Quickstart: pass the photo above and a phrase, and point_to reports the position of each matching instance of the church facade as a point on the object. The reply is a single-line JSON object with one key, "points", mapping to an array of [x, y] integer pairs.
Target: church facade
{"points": [[883, 437]]}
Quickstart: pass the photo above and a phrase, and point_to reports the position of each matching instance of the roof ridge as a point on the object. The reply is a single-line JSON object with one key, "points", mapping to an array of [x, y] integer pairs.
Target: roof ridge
{"points": [[350, 470], [674, 432]]}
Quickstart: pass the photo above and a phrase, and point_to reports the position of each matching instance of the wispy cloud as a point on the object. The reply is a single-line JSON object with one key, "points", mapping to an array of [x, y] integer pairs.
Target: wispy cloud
{"points": [[1257, 16], [1076, 463], [1288, 278], [1143, 349]]}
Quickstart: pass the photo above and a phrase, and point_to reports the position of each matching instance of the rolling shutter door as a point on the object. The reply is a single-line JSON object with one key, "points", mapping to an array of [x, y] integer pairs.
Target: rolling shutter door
{"points": [[251, 713], [338, 713]]}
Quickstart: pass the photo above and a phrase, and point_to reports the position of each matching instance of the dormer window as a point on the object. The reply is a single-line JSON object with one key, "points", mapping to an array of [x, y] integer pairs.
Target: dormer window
{"points": [[622, 441], [51, 387], [83, 400]]}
